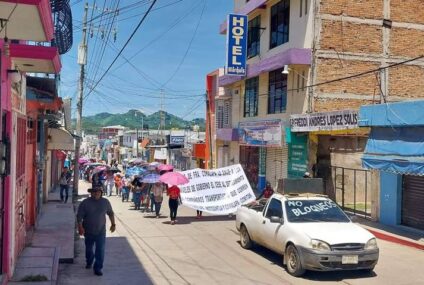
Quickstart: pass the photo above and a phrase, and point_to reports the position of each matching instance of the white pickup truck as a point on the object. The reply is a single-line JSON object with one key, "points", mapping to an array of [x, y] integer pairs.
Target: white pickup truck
{"points": [[310, 230]]}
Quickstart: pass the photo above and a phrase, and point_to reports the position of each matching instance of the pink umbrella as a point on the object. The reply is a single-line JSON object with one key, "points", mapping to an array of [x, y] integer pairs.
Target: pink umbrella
{"points": [[165, 167], [173, 178], [100, 168], [83, 160]]}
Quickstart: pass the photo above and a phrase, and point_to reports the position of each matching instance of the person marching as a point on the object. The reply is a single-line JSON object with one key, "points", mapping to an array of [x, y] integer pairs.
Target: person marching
{"points": [[157, 191], [92, 225], [174, 197], [65, 179]]}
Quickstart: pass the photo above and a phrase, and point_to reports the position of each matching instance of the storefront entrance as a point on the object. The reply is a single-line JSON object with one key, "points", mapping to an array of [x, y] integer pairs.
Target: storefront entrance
{"points": [[249, 160], [412, 201]]}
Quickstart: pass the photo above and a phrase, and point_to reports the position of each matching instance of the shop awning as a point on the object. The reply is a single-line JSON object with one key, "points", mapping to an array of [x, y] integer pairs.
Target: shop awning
{"points": [[398, 150], [60, 139]]}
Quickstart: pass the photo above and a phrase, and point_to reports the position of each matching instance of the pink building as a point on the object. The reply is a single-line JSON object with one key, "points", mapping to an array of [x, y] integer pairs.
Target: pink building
{"points": [[29, 43]]}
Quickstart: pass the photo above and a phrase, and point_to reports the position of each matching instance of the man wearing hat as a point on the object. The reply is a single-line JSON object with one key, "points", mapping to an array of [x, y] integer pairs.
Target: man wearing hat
{"points": [[91, 220]]}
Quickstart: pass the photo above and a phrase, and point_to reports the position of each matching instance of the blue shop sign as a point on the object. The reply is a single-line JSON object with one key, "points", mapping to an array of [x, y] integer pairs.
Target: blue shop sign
{"points": [[236, 45], [177, 140]]}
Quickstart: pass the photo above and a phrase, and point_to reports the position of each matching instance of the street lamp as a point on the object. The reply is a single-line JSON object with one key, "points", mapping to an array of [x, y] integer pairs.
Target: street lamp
{"points": [[286, 71]]}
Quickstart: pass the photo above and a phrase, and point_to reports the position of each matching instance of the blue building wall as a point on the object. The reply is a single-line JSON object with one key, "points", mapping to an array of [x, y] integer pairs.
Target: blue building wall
{"points": [[390, 198]]}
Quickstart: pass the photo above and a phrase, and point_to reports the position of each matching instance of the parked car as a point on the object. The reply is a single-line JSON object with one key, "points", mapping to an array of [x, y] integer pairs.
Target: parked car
{"points": [[310, 231]]}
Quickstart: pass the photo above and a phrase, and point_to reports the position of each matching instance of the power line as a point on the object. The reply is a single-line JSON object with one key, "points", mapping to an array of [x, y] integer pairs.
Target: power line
{"points": [[189, 45], [125, 45]]}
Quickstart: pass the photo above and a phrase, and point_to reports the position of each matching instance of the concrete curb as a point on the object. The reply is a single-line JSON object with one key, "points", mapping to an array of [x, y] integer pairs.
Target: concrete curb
{"points": [[394, 238]]}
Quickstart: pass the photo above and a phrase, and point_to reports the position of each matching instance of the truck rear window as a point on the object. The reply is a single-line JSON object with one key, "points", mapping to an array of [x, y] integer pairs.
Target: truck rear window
{"points": [[311, 211]]}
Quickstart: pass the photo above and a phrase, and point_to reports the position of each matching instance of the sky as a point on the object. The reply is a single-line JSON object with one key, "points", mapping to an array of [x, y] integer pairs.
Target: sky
{"points": [[175, 47]]}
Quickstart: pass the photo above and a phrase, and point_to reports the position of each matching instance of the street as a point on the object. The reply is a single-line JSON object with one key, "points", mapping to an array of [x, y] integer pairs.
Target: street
{"points": [[145, 250]]}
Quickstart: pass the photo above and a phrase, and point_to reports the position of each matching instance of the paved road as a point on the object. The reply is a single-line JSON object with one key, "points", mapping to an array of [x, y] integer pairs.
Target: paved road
{"points": [[145, 250]]}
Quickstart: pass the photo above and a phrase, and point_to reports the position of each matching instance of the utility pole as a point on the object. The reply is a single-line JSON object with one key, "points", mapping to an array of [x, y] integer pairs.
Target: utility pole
{"points": [[162, 115], [209, 129], [82, 60]]}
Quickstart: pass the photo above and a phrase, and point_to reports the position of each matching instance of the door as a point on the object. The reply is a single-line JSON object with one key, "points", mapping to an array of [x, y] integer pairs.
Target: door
{"points": [[249, 160], [270, 231], [413, 201], [20, 193]]}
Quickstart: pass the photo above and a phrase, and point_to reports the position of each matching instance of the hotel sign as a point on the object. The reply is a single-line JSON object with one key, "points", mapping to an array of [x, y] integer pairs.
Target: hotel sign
{"points": [[330, 121], [236, 45]]}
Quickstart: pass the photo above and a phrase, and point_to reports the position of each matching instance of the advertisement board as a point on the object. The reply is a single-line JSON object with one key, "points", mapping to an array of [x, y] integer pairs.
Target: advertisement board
{"points": [[330, 121], [266, 133], [236, 45]]}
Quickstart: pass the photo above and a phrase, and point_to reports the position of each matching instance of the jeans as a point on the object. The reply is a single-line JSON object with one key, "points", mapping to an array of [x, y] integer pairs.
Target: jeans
{"points": [[137, 200], [64, 188], [152, 202], [98, 256], [157, 208], [109, 189], [173, 207]]}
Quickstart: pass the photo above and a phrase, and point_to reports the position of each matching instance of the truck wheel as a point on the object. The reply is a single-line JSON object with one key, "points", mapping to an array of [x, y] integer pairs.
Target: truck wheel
{"points": [[294, 265], [245, 240]]}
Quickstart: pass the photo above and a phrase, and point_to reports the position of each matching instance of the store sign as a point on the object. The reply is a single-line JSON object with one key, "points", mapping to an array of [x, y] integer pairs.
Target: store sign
{"points": [[261, 133], [298, 156], [176, 140], [236, 45], [217, 191], [330, 121]]}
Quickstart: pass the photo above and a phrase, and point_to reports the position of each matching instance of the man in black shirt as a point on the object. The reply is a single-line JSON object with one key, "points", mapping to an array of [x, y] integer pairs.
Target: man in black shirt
{"points": [[92, 224]]}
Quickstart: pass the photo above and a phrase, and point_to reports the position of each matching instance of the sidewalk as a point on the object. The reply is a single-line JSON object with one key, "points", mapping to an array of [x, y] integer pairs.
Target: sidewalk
{"points": [[397, 234], [52, 242]]}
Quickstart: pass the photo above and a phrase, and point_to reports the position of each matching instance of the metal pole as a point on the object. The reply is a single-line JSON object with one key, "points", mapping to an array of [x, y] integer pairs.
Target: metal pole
{"points": [[209, 126], [137, 143], [82, 62]]}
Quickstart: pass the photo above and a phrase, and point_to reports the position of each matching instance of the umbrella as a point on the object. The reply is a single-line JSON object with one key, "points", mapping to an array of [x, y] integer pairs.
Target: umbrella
{"points": [[83, 160], [99, 169], [115, 170], [174, 178], [151, 178], [138, 161], [134, 171], [165, 167]]}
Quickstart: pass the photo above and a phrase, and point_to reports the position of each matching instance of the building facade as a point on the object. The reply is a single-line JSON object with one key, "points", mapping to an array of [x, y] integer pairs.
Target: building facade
{"points": [[279, 34], [311, 65], [30, 115]]}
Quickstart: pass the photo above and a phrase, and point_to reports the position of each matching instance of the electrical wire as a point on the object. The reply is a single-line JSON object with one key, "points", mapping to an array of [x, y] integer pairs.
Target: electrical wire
{"points": [[8, 18], [125, 45], [188, 47]]}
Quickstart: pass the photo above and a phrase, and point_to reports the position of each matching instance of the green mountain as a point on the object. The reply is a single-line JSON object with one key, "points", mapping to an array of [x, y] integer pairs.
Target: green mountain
{"points": [[133, 119]]}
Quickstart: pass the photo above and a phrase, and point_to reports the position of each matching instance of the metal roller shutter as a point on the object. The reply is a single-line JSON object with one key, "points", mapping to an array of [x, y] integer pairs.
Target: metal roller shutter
{"points": [[413, 201], [276, 164]]}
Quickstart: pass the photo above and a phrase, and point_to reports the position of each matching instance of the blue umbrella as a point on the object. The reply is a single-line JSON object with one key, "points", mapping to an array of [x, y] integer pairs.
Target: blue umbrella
{"points": [[151, 178], [134, 171]]}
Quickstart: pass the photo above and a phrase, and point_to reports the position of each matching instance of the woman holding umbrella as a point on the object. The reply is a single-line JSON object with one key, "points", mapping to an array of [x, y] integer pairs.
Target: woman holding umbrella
{"points": [[174, 198], [173, 178]]}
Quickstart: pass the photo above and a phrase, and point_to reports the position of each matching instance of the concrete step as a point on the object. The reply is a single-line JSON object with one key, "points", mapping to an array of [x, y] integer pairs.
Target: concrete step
{"points": [[37, 261]]}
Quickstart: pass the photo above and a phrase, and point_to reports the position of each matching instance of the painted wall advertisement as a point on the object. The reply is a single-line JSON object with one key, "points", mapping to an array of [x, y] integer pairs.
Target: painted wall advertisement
{"points": [[261, 133], [298, 156], [217, 191], [236, 45], [330, 121]]}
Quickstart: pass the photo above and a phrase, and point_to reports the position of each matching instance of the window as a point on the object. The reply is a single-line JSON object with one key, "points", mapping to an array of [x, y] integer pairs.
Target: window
{"points": [[275, 209], [251, 97], [253, 37], [280, 19], [277, 98]]}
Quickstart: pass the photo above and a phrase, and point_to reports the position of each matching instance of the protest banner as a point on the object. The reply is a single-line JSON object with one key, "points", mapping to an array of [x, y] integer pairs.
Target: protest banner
{"points": [[216, 191]]}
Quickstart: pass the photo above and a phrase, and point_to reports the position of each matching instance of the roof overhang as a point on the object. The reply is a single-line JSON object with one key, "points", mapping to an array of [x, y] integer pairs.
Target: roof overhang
{"points": [[29, 20], [37, 59], [60, 139]]}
